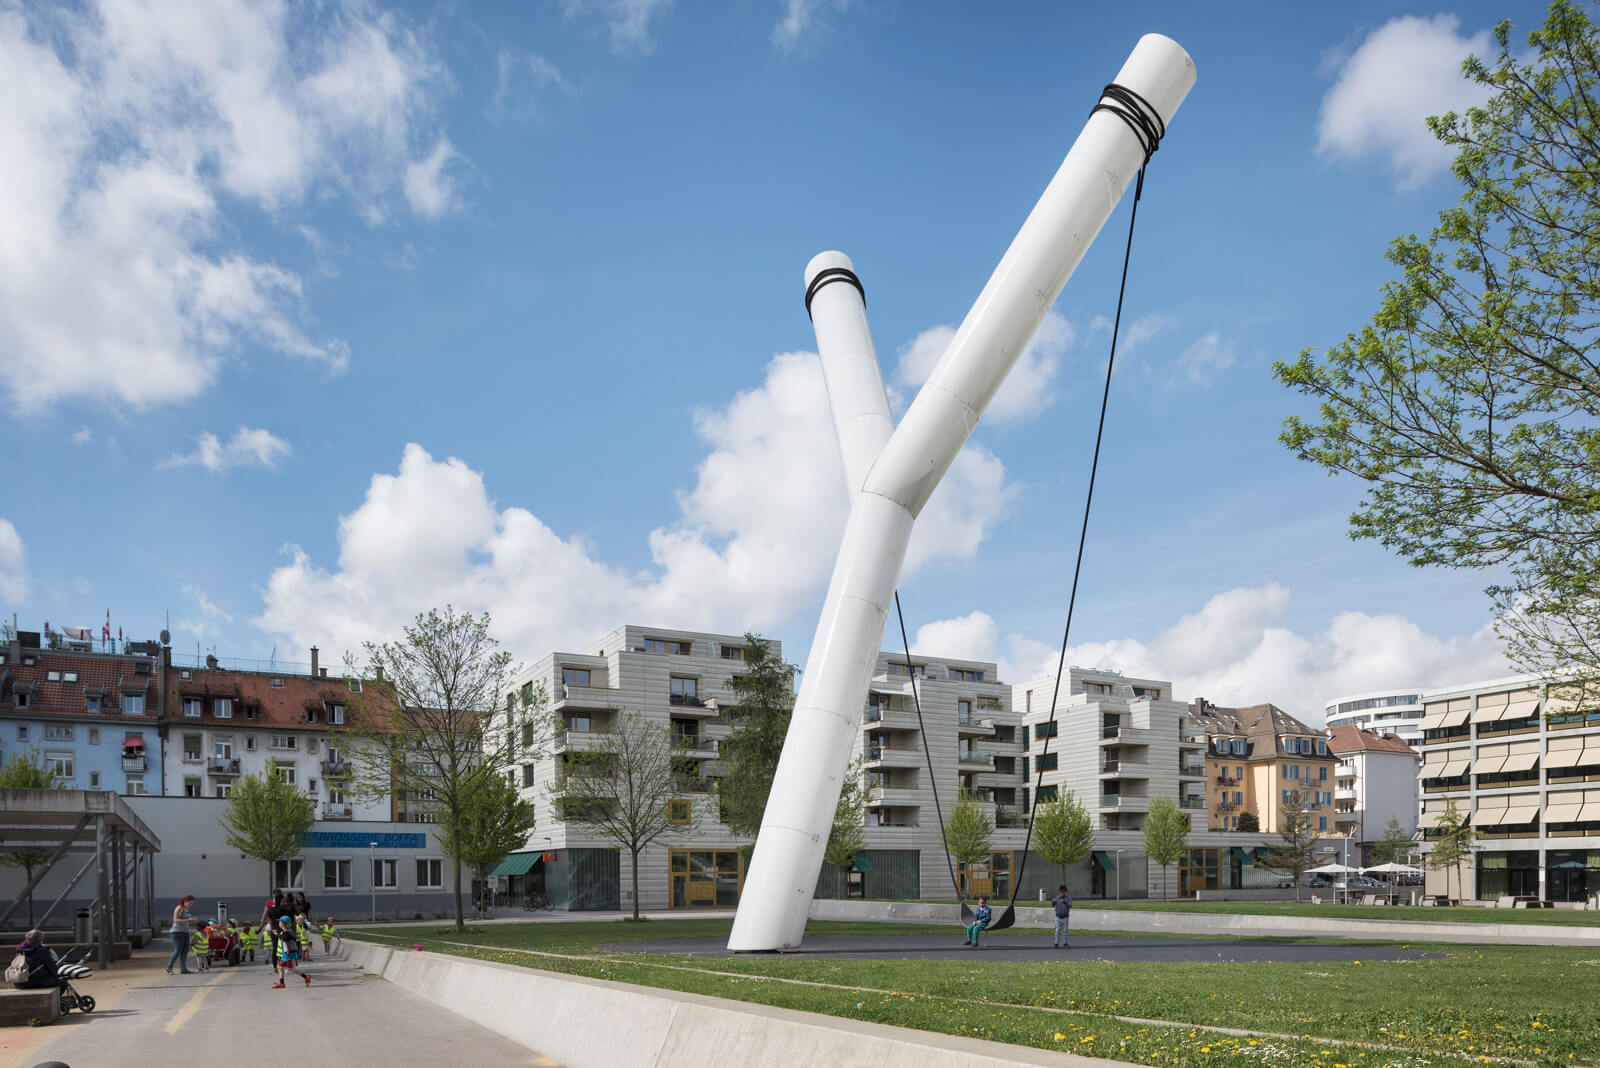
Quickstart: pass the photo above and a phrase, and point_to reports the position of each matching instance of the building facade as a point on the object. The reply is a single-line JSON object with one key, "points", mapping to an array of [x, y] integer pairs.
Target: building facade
{"points": [[1520, 765], [93, 718], [1256, 758], [1397, 712], [1375, 781]]}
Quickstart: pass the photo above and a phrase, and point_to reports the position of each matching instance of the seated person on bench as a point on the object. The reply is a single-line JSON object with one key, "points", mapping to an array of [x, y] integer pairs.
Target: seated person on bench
{"points": [[41, 963], [980, 920]]}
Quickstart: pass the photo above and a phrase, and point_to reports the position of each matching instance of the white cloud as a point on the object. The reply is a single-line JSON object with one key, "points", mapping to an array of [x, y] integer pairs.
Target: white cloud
{"points": [[1200, 364], [82, 436], [969, 637], [1028, 388], [1235, 651], [802, 20], [1404, 71], [210, 619], [13, 563], [248, 448], [121, 279], [523, 76], [430, 187], [628, 21], [753, 543]]}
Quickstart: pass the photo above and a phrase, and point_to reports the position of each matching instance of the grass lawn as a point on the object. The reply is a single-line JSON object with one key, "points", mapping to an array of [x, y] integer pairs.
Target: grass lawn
{"points": [[1500, 1004], [1328, 910]]}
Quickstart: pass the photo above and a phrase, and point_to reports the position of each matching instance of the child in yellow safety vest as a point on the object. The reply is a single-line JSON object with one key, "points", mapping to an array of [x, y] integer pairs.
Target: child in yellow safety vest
{"points": [[329, 933], [303, 933], [248, 941], [202, 948]]}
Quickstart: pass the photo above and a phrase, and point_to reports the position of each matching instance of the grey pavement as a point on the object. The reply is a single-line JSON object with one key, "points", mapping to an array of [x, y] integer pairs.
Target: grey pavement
{"points": [[232, 1016], [1037, 948]]}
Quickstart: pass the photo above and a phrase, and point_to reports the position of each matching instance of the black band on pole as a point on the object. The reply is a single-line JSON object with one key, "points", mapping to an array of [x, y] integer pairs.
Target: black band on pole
{"points": [[1141, 117], [832, 274]]}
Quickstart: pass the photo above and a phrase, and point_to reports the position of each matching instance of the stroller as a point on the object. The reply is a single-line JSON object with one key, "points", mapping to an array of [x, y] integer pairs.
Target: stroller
{"points": [[66, 971], [223, 946]]}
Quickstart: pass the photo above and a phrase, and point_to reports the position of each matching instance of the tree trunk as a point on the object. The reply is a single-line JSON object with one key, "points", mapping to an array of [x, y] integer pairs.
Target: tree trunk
{"points": [[455, 836], [635, 883]]}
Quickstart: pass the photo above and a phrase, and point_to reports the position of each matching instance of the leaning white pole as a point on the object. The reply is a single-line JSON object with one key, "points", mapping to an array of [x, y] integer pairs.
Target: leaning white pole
{"points": [[805, 790], [838, 307]]}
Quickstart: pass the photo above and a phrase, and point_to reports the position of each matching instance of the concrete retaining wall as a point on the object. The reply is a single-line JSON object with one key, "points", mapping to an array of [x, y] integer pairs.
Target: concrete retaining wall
{"points": [[1235, 924], [590, 1023]]}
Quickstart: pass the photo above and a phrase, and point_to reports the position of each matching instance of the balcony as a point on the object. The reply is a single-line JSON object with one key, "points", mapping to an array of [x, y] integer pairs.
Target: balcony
{"points": [[1191, 736], [693, 786], [878, 717], [133, 763], [970, 726], [1010, 816], [1344, 795], [1196, 803], [222, 766], [1110, 767], [976, 759], [1123, 801], [337, 810], [699, 747], [1192, 771], [1227, 780], [888, 756], [336, 769], [688, 704], [893, 795], [584, 697], [578, 741]]}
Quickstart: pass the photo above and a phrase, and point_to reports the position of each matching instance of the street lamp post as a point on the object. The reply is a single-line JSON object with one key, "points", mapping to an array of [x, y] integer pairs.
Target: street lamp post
{"points": [[372, 870]]}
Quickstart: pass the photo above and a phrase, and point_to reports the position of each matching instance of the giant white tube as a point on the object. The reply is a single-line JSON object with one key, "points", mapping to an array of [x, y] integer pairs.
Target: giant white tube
{"points": [[849, 363], [805, 790]]}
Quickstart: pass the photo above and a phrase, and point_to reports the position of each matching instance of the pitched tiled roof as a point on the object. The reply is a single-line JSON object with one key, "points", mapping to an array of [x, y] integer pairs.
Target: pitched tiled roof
{"points": [[1348, 738], [1263, 724], [279, 702], [105, 676]]}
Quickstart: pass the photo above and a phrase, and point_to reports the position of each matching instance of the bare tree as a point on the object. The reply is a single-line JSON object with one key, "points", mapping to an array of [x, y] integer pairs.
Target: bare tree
{"points": [[1299, 841]]}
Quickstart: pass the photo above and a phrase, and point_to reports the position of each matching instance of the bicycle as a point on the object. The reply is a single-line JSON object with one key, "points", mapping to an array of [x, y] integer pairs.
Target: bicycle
{"points": [[534, 902]]}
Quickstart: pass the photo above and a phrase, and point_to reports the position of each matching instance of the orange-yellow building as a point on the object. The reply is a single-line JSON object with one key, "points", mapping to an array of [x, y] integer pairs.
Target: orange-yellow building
{"points": [[1256, 759]]}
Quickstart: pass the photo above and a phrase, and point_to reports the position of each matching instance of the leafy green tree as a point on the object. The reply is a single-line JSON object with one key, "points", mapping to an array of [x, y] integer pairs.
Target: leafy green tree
{"points": [[495, 821], [427, 724], [265, 817], [1395, 845], [1453, 846], [1470, 404], [847, 838], [26, 770], [764, 695], [1298, 848], [1166, 835], [967, 833], [1063, 832], [1249, 822], [632, 785]]}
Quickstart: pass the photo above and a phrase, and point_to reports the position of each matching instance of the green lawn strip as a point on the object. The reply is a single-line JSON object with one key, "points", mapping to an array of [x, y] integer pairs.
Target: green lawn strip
{"points": [[1329, 911], [1501, 1001]]}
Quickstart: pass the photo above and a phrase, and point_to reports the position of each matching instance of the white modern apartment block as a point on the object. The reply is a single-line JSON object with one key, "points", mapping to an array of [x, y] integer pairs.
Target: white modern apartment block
{"points": [[1397, 712], [1524, 767], [1375, 781], [678, 679]]}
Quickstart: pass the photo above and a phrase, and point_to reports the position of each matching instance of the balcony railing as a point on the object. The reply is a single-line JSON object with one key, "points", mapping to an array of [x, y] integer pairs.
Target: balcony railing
{"points": [[1227, 780], [976, 758], [1192, 802], [133, 763], [336, 769], [687, 699], [223, 766], [1010, 816], [336, 810], [1192, 771], [694, 786], [1110, 732]]}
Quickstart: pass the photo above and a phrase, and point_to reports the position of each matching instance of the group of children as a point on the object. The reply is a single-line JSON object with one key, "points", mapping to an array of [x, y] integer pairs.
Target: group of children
{"points": [[285, 944]]}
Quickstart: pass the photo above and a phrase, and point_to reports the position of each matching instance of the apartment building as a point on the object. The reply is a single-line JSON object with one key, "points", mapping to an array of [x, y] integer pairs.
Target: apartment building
{"points": [[1522, 765], [1375, 781], [91, 716], [1256, 758], [1396, 712], [222, 723]]}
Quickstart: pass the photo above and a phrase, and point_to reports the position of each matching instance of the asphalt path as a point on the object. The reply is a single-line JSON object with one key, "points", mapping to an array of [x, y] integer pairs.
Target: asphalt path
{"points": [[1036, 948], [346, 1018]]}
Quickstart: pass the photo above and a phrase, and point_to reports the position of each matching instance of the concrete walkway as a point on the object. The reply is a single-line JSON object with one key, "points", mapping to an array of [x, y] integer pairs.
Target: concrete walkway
{"points": [[147, 1019]]}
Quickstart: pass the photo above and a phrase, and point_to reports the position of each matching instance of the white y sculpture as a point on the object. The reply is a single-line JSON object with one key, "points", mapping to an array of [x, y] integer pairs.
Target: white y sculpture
{"points": [[893, 471]]}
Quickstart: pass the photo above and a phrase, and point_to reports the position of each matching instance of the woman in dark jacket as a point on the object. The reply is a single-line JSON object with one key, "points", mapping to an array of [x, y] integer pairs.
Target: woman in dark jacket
{"points": [[41, 962]]}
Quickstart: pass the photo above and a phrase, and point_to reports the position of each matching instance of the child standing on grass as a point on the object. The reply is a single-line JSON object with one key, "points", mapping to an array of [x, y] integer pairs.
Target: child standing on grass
{"points": [[288, 953]]}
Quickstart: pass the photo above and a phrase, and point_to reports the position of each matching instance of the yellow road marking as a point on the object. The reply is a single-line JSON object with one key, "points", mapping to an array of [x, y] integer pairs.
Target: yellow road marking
{"points": [[192, 1006]]}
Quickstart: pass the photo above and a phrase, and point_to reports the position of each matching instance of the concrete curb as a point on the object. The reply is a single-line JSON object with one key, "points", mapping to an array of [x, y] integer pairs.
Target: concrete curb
{"points": [[1519, 934], [593, 1023]]}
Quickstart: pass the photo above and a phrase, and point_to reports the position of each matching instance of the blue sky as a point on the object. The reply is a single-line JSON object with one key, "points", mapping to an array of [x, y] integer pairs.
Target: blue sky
{"points": [[314, 316]]}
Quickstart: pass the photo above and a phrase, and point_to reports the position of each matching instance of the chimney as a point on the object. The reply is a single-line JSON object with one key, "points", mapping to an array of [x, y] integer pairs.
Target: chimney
{"points": [[313, 661]]}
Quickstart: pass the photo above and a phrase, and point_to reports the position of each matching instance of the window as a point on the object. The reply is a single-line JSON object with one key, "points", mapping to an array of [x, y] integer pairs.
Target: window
{"points": [[289, 875], [678, 810], [1291, 771], [277, 683], [191, 707], [1322, 773], [222, 748], [224, 789], [186, 674], [1322, 748], [385, 873], [311, 745], [430, 873], [222, 708], [336, 714], [1286, 794], [56, 732], [336, 796], [1238, 797], [286, 773], [52, 676], [94, 735], [1046, 794], [1027, 702], [527, 775], [1241, 747], [133, 704], [191, 746], [353, 684], [94, 780], [1045, 730], [658, 645], [1097, 687], [964, 675], [22, 698], [22, 734], [336, 873], [1047, 762], [1322, 825], [91, 701], [733, 652], [282, 741], [1238, 772], [191, 788], [250, 743], [574, 676], [908, 670], [685, 691], [136, 785]]}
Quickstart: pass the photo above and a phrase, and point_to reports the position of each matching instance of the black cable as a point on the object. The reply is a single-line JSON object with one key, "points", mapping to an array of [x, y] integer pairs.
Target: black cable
{"points": [[933, 780], [1141, 117], [832, 274], [1083, 534]]}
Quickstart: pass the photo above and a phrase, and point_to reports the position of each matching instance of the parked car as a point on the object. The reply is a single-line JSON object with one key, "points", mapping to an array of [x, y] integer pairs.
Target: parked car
{"points": [[1310, 882], [1359, 882]]}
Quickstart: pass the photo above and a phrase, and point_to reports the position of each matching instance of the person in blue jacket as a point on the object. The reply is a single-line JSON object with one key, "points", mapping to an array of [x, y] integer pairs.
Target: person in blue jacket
{"points": [[980, 920]]}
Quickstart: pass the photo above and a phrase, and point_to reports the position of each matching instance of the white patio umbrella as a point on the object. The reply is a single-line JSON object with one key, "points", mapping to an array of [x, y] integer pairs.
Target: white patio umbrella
{"points": [[1393, 868], [1333, 869]]}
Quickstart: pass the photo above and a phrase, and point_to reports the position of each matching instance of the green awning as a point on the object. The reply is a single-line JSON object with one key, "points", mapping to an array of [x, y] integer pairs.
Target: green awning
{"points": [[1241, 856], [862, 864], [1261, 853], [518, 864], [1103, 859]]}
